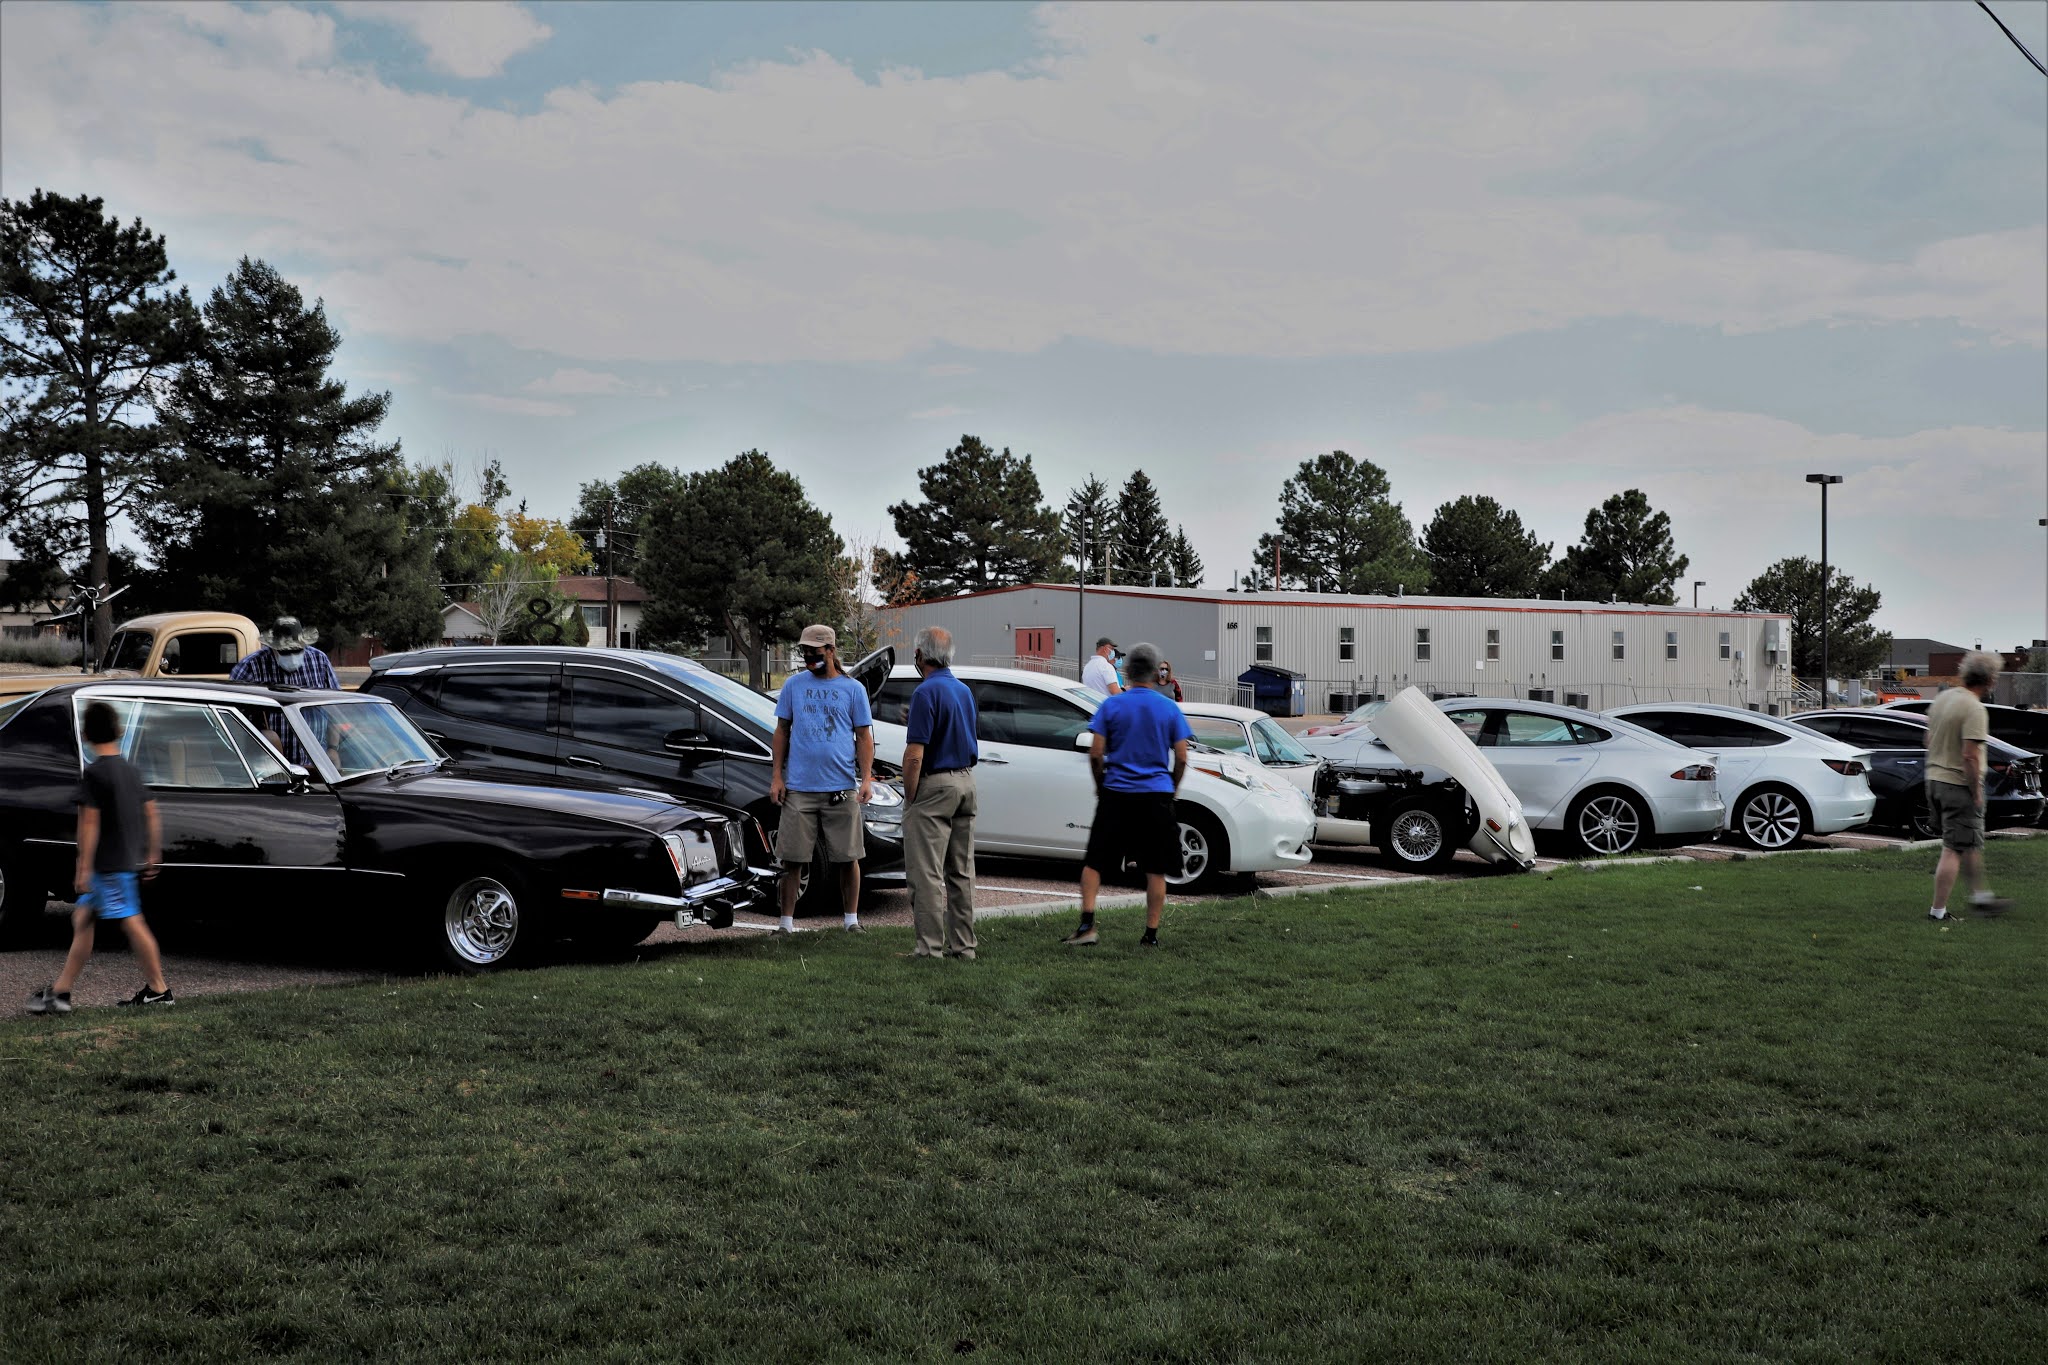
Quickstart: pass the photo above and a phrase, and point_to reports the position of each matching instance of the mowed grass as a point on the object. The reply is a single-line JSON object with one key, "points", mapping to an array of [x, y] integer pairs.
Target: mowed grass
{"points": [[1760, 1111]]}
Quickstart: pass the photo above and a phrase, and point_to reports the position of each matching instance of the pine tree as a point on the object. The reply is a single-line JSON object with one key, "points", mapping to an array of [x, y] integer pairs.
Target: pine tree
{"points": [[1183, 565], [983, 523], [275, 497], [1340, 532], [1088, 518], [1477, 548], [1139, 539], [1626, 554]]}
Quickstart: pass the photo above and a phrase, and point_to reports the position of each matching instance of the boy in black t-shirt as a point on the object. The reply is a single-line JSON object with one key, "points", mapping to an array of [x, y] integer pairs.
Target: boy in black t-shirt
{"points": [[115, 818]]}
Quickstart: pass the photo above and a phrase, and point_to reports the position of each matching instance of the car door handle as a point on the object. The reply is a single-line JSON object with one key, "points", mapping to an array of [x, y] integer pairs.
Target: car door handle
{"points": [[992, 758], [580, 761]]}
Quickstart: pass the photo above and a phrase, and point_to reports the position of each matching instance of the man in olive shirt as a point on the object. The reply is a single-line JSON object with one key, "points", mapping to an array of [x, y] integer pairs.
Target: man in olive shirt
{"points": [[1958, 731]]}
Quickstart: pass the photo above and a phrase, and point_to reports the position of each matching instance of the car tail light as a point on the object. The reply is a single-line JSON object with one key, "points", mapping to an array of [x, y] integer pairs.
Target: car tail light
{"points": [[1695, 772], [2001, 766], [1847, 767]]}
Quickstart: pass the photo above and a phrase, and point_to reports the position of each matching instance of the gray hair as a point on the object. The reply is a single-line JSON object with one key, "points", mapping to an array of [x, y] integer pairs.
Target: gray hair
{"points": [[1142, 663], [1981, 668], [936, 644]]}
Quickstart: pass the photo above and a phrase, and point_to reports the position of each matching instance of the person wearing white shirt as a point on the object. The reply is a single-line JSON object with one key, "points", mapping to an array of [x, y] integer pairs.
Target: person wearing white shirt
{"points": [[1099, 676]]}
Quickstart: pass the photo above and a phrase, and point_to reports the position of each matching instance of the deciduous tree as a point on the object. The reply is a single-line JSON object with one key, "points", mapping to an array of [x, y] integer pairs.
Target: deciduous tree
{"points": [[1626, 553], [983, 523], [741, 550], [1855, 646], [1341, 531], [1477, 548], [89, 328]]}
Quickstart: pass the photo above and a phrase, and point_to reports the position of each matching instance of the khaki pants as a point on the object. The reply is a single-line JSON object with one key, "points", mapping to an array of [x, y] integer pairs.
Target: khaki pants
{"points": [[938, 856]]}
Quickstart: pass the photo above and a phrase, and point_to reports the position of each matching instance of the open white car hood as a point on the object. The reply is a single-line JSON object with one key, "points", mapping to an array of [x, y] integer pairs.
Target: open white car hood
{"points": [[1422, 736]]}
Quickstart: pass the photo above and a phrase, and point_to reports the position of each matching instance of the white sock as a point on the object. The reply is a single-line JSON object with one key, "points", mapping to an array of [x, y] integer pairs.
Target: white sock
{"points": [[1937, 912], [789, 922], [1979, 897], [851, 918]]}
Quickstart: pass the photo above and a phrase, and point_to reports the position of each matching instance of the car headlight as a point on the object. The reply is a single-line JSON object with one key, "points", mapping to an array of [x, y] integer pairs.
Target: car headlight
{"points": [[885, 805]]}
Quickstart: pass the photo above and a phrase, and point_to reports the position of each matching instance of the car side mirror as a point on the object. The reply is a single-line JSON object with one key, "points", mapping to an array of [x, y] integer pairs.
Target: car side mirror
{"points": [[1085, 740], [685, 739], [293, 779]]}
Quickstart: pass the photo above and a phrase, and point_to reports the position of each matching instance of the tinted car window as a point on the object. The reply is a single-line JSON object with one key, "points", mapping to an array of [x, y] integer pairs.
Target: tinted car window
{"points": [[892, 703], [2028, 729], [1867, 733], [1583, 733], [625, 714], [1673, 725], [1727, 732], [1022, 715], [725, 735], [519, 700]]}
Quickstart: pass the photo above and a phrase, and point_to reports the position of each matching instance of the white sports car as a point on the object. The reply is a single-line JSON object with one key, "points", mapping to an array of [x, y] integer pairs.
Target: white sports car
{"points": [[1608, 785], [1780, 781], [1037, 796]]}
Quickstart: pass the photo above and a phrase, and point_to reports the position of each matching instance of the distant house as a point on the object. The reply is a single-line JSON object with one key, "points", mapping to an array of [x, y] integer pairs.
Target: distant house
{"points": [[1913, 658], [462, 623], [28, 619]]}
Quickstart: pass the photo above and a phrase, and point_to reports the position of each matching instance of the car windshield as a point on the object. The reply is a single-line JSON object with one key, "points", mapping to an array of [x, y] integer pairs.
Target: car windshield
{"points": [[1364, 713], [365, 737], [735, 696], [1091, 700], [128, 651], [1275, 745]]}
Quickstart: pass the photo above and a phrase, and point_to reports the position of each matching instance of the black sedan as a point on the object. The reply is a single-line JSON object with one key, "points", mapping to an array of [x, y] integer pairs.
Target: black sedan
{"points": [[631, 719], [478, 867], [1897, 741]]}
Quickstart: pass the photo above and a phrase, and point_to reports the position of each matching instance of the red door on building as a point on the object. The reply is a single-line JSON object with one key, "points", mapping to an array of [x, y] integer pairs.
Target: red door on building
{"points": [[1034, 642]]}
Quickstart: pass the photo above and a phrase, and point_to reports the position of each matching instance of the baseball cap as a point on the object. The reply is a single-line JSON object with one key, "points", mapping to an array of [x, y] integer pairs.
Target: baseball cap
{"points": [[818, 637]]}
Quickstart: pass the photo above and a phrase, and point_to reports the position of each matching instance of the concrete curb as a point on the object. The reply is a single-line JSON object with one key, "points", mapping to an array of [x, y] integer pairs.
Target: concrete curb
{"points": [[1593, 865], [1277, 893]]}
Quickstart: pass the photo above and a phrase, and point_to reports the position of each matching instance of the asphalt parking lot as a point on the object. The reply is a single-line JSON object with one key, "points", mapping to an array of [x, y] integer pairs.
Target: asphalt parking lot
{"points": [[287, 954]]}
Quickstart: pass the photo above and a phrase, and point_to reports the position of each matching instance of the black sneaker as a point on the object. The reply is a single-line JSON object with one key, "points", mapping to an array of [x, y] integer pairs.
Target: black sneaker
{"points": [[1991, 908], [1148, 941], [47, 1001], [146, 996]]}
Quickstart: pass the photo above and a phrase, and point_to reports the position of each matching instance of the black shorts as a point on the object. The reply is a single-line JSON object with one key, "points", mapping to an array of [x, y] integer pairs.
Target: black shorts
{"points": [[1137, 827]]}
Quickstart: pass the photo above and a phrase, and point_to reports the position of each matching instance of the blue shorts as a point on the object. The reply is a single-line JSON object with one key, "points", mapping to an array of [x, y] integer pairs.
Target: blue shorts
{"points": [[114, 895]]}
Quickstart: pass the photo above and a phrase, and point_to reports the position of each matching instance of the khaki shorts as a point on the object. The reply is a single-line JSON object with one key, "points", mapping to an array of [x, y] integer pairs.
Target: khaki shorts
{"points": [[813, 820], [1957, 818]]}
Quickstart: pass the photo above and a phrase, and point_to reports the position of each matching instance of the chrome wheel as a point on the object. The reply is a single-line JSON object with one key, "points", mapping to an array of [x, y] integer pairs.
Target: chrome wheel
{"points": [[1609, 823], [480, 922], [1418, 836], [1770, 820]]}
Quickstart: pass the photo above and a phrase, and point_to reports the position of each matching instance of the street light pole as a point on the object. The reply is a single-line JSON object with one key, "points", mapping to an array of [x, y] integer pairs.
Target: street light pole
{"points": [[1824, 480]]}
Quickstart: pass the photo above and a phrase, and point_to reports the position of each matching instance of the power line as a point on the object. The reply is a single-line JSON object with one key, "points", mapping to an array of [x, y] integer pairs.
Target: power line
{"points": [[2015, 38]]}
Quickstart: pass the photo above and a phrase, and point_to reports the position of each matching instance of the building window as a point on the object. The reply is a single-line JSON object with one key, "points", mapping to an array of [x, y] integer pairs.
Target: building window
{"points": [[593, 615], [1620, 649], [1492, 645], [1670, 644], [1724, 644], [1557, 644], [1262, 644], [1422, 644], [1347, 642]]}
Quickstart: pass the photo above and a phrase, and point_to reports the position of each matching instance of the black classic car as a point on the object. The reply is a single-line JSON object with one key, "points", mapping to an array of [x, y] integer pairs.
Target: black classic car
{"points": [[631, 719], [478, 867], [1897, 741]]}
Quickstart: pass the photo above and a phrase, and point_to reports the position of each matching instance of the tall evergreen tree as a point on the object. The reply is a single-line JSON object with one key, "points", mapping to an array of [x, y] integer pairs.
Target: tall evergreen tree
{"points": [[276, 496], [1626, 554], [1477, 548], [89, 326], [1183, 565], [1140, 540], [741, 550], [1855, 646], [1089, 518], [983, 523], [625, 505], [1340, 531]]}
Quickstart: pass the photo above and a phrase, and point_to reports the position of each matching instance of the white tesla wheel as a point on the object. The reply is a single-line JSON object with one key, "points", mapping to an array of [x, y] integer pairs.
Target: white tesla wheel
{"points": [[1769, 818], [1608, 823]]}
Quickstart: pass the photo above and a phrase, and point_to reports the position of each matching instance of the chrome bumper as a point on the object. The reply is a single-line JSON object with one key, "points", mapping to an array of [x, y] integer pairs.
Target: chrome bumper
{"points": [[712, 902]]}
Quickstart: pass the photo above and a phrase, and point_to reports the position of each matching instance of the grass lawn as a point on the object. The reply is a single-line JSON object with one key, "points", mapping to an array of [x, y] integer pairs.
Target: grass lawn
{"points": [[1756, 1111]]}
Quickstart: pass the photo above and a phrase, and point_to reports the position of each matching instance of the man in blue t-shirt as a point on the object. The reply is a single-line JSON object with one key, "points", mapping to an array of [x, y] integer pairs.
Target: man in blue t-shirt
{"points": [[824, 772], [939, 802], [1140, 754]]}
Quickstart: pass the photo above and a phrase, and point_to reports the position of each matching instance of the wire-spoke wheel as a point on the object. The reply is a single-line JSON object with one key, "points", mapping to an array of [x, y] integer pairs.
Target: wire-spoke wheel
{"points": [[1204, 849], [1417, 835], [480, 924], [1770, 819], [1608, 822]]}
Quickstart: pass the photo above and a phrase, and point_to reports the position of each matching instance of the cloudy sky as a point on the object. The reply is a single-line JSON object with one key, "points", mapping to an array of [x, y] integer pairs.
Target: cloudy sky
{"points": [[1532, 250]]}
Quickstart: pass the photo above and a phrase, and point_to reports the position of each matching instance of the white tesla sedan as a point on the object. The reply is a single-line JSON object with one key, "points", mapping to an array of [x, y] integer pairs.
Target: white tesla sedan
{"points": [[1036, 795], [1608, 785], [1780, 781]]}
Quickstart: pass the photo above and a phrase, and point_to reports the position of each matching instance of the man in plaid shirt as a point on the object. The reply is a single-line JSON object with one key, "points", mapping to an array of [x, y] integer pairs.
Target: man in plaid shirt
{"points": [[288, 659]]}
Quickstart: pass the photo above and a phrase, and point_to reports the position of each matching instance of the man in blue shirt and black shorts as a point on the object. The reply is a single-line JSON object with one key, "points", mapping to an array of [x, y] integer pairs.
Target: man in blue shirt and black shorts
{"points": [[1139, 755]]}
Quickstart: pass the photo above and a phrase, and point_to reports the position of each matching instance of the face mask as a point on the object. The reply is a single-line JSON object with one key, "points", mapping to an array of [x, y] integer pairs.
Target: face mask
{"points": [[815, 664], [291, 661]]}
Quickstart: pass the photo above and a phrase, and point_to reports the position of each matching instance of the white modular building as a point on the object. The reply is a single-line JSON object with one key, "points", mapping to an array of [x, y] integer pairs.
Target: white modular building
{"points": [[1343, 648]]}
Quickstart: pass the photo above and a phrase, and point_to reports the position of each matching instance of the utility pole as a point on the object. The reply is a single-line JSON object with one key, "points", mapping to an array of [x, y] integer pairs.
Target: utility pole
{"points": [[611, 585], [1824, 480], [1081, 595]]}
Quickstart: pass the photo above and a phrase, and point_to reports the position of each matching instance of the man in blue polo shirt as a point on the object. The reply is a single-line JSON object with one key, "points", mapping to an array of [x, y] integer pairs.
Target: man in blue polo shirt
{"points": [[1139, 755], [938, 793]]}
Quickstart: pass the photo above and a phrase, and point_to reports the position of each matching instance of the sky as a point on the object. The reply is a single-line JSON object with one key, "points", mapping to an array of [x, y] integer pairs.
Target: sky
{"points": [[1539, 251]]}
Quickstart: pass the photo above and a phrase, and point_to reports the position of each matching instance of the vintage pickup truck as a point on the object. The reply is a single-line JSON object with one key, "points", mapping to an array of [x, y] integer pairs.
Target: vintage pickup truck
{"points": [[172, 644]]}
